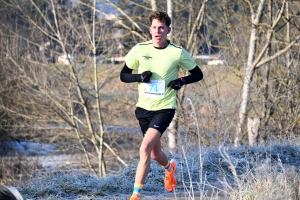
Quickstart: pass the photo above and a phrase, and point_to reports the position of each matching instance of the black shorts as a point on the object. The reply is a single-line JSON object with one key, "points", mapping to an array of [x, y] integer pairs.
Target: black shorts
{"points": [[159, 120]]}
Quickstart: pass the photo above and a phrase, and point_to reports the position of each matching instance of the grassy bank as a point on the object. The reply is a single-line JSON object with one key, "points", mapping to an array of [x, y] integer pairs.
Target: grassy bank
{"points": [[264, 172]]}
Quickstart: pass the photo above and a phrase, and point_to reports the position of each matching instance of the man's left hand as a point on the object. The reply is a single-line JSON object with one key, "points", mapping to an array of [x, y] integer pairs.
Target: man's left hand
{"points": [[176, 84]]}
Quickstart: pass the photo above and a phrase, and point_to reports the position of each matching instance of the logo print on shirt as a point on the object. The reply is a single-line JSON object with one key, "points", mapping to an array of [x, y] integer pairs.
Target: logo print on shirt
{"points": [[147, 56], [156, 126]]}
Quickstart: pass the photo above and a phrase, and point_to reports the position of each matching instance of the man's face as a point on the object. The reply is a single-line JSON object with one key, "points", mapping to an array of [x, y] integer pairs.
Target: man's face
{"points": [[159, 31]]}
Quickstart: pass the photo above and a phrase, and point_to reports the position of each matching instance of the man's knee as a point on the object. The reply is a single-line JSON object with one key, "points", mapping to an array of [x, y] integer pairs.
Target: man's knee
{"points": [[145, 149]]}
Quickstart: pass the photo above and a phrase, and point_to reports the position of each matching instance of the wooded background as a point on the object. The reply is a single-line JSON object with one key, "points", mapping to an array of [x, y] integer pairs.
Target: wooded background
{"points": [[60, 62]]}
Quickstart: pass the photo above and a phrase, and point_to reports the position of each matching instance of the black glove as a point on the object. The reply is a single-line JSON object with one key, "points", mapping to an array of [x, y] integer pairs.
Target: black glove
{"points": [[176, 84], [145, 77]]}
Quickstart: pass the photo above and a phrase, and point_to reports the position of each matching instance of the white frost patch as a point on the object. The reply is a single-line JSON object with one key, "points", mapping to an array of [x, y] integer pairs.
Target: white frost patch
{"points": [[30, 147]]}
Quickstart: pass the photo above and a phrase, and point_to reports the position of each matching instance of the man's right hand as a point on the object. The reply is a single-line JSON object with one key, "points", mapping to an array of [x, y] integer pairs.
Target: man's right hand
{"points": [[145, 77]]}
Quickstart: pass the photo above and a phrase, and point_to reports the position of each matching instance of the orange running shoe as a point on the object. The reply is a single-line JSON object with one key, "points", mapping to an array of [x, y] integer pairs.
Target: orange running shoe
{"points": [[133, 197], [170, 180]]}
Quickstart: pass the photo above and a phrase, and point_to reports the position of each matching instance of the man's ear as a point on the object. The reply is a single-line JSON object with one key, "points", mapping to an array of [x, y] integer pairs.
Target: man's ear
{"points": [[169, 30]]}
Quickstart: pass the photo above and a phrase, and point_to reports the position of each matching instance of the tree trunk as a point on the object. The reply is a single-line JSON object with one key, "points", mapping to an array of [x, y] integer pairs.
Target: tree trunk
{"points": [[169, 10], [102, 167], [255, 17], [253, 130], [266, 105], [153, 5], [173, 128]]}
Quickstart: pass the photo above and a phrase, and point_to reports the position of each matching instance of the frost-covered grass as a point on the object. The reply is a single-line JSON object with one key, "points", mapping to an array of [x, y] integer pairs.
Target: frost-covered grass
{"points": [[265, 172]]}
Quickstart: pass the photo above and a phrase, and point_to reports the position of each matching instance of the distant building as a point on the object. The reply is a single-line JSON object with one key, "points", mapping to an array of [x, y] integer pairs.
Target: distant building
{"points": [[64, 59], [215, 62], [210, 59]]}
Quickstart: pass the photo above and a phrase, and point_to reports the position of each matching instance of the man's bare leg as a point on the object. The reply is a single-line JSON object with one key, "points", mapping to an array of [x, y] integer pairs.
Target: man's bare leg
{"points": [[150, 148]]}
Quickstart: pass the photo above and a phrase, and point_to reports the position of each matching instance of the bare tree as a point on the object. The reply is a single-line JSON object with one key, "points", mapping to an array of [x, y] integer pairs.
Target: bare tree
{"points": [[255, 19], [256, 57], [53, 93]]}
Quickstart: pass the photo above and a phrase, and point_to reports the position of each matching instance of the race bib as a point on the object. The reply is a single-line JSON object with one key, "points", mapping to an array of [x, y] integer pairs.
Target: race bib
{"points": [[155, 88]]}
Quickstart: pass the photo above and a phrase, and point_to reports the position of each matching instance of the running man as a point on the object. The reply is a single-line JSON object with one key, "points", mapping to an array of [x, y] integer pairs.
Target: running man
{"points": [[158, 62]]}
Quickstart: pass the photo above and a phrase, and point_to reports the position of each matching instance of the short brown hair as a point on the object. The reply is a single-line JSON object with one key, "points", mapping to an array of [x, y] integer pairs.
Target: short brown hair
{"points": [[160, 16]]}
